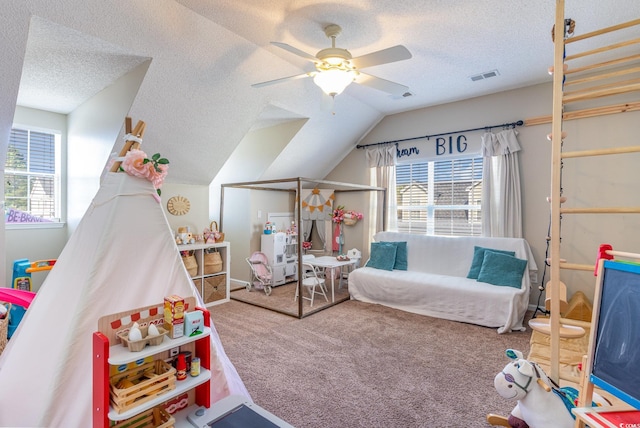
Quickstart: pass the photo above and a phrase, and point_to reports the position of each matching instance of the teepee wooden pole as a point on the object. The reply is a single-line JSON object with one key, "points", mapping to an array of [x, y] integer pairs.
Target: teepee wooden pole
{"points": [[137, 132], [127, 125]]}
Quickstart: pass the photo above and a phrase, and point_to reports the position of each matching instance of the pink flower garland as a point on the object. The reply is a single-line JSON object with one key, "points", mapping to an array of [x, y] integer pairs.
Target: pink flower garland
{"points": [[339, 213], [137, 164], [355, 214]]}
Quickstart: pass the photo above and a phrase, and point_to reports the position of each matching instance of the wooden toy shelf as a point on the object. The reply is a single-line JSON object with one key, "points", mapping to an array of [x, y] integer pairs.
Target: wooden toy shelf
{"points": [[108, 352], [214, 288]]}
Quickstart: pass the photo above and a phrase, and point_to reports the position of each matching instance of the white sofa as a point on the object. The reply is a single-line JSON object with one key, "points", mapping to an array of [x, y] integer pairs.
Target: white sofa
{"points": [[436, 284]]}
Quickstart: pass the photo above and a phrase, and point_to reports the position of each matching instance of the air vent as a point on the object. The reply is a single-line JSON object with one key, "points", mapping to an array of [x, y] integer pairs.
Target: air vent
{"points": [[485, 75], [401, 96]]}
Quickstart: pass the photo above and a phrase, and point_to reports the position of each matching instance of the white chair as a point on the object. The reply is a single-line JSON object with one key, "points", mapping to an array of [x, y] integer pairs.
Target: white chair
{"points": [[355, 254], [312, 282]]}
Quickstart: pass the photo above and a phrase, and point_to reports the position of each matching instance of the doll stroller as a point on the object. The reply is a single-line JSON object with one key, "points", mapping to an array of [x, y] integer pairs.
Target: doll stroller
{"points": [[261, 275]]}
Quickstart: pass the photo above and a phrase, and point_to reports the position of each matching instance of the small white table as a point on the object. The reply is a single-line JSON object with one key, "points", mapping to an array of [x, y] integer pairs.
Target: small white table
{"points": [[330, 262]]}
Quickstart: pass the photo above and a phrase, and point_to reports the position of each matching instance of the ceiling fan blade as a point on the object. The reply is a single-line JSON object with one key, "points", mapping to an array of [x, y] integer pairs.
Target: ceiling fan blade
{"points": [[296, 51], [381, 84], [282, 79], [384, 56]]}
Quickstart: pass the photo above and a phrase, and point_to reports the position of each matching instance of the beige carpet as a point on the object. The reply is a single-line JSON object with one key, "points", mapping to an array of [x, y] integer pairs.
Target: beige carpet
{"points": [[362, 365], [281, 298]]}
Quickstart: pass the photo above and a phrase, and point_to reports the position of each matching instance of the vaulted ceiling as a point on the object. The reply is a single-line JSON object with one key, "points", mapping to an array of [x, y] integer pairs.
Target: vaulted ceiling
{"points": [[197, 98]]}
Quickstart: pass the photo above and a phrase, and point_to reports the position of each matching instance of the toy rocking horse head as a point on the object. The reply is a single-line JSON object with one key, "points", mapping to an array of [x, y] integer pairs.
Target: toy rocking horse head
{"points": [[540, 404]]}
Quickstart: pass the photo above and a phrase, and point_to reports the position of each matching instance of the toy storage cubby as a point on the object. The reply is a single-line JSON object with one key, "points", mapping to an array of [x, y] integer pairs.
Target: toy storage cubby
{"points": [[213, 287], [167, 397]]}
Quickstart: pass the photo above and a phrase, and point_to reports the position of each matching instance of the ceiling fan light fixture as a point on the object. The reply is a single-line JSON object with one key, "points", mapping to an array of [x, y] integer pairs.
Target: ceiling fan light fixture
{"points": [[336, 68], [333, 81], [335, 61], [335, 56]]}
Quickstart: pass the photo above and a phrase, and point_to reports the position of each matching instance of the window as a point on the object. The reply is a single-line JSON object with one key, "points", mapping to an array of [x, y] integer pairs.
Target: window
{"points": [[440, 197], [31, 174]]}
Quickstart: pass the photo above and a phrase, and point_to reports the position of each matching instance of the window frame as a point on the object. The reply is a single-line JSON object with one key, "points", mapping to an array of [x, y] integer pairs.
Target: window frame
{"points": [[427, 207], [57, 221]]}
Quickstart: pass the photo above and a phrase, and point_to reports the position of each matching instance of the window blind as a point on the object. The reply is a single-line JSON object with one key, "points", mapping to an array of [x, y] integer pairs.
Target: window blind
{"points": [[30, 173], [440, 197]]}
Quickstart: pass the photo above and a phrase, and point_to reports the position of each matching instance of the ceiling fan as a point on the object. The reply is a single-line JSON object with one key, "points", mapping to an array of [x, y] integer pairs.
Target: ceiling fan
{"points": [[336, 68]]}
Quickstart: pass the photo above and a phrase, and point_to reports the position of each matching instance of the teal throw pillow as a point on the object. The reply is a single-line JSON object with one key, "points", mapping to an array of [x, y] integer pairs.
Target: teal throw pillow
{"points": [[401, 254], [382, 256], [478, 257], [502, 269]]}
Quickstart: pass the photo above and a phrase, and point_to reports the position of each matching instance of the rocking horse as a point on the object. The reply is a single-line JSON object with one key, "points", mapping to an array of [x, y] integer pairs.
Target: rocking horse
{"points": [[541, 403]]}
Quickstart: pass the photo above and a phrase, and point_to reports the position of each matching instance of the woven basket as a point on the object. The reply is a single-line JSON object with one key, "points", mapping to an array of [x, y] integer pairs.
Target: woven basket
{"points": [[212, 262], [215, 288], [214, 228], [4, 328], [350, 221], [190, 263]]}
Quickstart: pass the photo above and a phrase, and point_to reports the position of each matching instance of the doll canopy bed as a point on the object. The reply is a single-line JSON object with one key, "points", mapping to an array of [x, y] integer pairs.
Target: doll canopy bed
{"points": [[313, 201]]}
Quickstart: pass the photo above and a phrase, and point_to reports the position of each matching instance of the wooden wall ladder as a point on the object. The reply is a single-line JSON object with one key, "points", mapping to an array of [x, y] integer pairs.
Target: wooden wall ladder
{"points": [[597, 82]]}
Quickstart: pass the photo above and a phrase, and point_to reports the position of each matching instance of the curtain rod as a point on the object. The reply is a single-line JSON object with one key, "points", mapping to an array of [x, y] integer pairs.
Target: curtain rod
{"points": [[504, 125]]}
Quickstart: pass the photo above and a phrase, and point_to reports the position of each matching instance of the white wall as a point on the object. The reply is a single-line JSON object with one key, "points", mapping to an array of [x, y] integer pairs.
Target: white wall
{"points": [[93, 130], [89, 135], [39, 242], [252, 157], [587, 182], [198, 196], [243, 227], [15, 24]]}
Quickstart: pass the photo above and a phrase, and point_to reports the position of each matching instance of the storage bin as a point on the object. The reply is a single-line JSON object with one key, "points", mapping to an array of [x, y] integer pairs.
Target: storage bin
{"points": [[152, 418], [215, 288], [141, 384], [212, 261], [190, 262]]}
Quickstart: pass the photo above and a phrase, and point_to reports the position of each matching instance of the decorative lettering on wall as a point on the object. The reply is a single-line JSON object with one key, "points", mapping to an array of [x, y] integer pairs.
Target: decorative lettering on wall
{"points": [[441, 145], [444, 146], [406, 152]]}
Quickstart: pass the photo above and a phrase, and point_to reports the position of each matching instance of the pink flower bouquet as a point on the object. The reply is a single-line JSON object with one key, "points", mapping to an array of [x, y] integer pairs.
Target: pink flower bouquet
{"points": [[137, 164]]}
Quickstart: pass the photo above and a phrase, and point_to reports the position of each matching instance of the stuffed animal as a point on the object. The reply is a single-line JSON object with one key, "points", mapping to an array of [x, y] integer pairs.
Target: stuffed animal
{"points": [[541, 403]]}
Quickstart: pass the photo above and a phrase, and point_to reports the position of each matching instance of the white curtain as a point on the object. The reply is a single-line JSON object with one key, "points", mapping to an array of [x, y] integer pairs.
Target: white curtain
{"points": [[382, 161], [306, 229], [307, 225], [501, 195], [322, 232]]}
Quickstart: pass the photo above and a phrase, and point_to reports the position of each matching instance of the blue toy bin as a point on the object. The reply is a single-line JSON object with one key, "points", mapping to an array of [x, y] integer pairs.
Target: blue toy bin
{"points": [[15, 316]]}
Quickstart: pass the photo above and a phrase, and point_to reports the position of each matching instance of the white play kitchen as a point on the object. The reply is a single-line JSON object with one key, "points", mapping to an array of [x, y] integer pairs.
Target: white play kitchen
{"points": [[281, 251]]}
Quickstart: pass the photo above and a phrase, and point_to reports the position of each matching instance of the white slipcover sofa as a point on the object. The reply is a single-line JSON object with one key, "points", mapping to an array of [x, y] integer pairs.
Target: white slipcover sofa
{"points": [[436, 284]]}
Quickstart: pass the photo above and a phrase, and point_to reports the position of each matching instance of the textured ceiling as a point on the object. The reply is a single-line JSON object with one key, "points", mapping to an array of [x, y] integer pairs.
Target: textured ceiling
{"points": [[207, 53]]}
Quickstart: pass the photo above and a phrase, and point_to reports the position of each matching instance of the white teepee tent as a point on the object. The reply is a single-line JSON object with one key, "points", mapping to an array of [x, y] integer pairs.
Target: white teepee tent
{"points": [[122, 256]]}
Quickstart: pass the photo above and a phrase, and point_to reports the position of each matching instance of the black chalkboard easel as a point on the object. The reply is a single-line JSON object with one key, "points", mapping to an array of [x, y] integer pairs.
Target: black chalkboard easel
{"points": [[613, 361]]}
